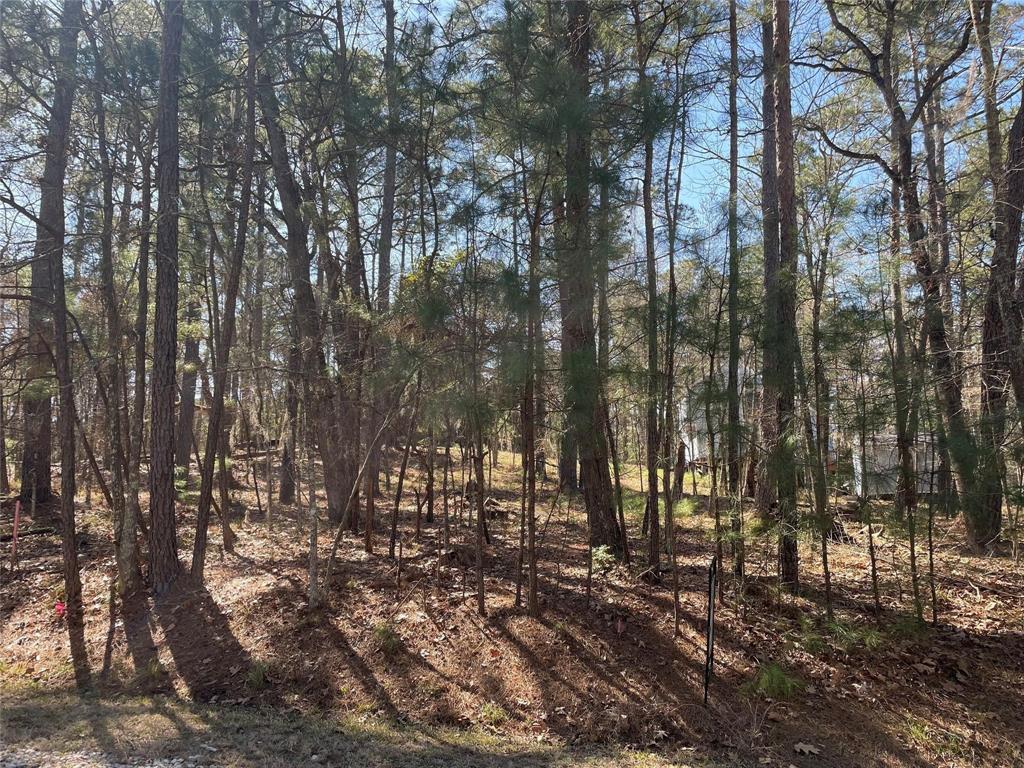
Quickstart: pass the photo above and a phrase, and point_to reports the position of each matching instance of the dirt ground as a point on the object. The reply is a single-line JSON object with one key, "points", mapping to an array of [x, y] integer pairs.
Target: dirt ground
{"points": [[398, 669]]}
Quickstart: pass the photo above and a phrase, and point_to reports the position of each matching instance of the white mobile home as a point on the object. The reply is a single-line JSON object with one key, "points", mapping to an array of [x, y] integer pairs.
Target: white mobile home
{"points": [[880, 476]]}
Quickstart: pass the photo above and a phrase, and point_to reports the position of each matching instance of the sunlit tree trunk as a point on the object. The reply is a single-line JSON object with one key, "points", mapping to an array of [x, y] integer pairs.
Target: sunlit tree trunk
{"points": [[163, 550], [227, 329], [577, 275]]}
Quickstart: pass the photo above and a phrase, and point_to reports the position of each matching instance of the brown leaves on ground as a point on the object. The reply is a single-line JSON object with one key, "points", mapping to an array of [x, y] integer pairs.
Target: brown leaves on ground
{"points": [[879, 691]]}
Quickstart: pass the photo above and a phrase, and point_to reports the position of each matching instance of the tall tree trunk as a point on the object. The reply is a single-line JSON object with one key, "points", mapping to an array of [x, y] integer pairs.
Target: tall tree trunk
{"points": [[577, 274], [1002, 347], [785, 306], [163, 550], [124, 525], [568, 452], [653, 513], [535, 350], [191, 362], [387, 212], [733, 385], [766, 491], [309, 335], [341, 467], [974, 470], [138, 419], [49, 255], [224, 344]]}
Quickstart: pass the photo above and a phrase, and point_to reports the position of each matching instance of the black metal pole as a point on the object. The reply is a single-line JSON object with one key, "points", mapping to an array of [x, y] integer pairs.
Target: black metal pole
{"points": [[709, 658]]}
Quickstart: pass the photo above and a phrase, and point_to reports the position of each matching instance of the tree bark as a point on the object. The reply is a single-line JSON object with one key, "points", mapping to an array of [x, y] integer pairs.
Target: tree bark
{"points": [[577, 274], [286, 487], [733, 386], [309, 336], [138, 418], [653, 512], [785, 306], [220, 376], [163, 554], [766, 491], [49, 250], [124, 523]]}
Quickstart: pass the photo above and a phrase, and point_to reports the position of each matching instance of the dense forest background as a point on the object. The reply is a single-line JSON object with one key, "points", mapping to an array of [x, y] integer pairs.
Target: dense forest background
{"points": [[402, 285]]}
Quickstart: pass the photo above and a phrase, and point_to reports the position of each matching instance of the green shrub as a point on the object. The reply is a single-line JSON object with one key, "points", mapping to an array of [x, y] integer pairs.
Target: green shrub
{"points": [[774, 682], [849, 637], [603, 559], [387, 639], [810, 639]]}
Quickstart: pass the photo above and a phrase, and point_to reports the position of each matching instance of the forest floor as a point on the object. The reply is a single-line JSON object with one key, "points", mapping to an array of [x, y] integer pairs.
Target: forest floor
{"points": [[404, 672]]}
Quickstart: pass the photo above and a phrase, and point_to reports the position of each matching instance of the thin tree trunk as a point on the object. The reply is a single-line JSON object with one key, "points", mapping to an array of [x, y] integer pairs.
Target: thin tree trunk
{"points": [[410, 433], [766, 490], [286, 486], [124, 527], [733, 386], [138, 423], [651, 326], [49, 249], [214, 434]]}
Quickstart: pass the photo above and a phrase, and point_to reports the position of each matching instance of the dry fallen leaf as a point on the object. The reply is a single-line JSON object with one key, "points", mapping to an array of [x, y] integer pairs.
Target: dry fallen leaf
{"points": [[806, 749]]}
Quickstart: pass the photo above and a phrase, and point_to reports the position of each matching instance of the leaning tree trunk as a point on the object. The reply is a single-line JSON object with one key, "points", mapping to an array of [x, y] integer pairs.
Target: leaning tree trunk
{"points": [[318, 390]]}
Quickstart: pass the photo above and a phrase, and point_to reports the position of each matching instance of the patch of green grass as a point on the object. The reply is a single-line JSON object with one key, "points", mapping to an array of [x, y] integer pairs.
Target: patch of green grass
{"points": [[850, 637], [687, 506], [947, 744], [633, 505], [810, 639], [775, 682], [761, 526], [908, 627], [387, 639], [258, 676], [493, 714], [151, 674], [180, 481], [916, 732]]}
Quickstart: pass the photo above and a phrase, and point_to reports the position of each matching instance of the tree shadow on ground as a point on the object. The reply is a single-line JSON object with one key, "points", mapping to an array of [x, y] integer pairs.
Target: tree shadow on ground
{"points": [[162, 727], [208, 658]]}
